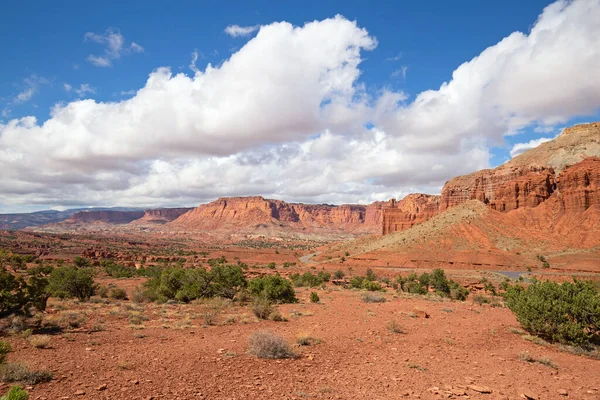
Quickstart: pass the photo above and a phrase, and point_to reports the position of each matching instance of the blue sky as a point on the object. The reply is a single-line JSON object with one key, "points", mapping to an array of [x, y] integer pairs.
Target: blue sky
{"points": [[59, 54]]}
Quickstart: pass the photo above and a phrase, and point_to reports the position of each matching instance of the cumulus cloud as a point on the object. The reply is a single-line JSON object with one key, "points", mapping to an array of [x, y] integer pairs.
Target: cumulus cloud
{"points": [[236, 30], [545, 78], [519, 148], [287, 116], [114, 47]]}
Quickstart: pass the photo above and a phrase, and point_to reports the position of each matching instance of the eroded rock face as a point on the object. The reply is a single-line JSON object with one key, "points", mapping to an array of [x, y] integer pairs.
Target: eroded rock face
{"points": [[579, 185], [411, 210], [253, 211], [503, 189], [162, 215]]}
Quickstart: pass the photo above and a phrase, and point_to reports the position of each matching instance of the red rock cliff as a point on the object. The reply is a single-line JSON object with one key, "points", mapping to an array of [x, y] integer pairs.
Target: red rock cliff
{"points": [[162, 215], [248, 212], [411, 210], [579, 185]]}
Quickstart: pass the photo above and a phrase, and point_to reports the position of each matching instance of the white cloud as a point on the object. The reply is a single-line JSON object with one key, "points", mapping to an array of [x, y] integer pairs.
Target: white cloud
{"points": [[519, 148], [543, 78], [31, 85], [285, 117], [400, 72], [84, 89], [115, 47], [67, 87], [127, 92], [236, 30], [193, 66], [25, 95]]}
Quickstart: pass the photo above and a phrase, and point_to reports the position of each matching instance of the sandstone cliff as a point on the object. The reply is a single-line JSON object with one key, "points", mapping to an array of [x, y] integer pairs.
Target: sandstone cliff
{"points": [[246, 213], [566, 166], [161, 215]]}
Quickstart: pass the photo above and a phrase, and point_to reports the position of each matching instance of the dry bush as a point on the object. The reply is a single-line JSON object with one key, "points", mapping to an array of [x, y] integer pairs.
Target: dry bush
{"points": [[306, 339], [262, 308], [266, 344], [372, 297], [15, 372], [276, 316], [39, 341], [394, 327]]}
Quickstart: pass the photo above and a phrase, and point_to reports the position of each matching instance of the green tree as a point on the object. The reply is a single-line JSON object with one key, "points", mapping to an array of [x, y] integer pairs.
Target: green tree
{"points": [[72, 282]]}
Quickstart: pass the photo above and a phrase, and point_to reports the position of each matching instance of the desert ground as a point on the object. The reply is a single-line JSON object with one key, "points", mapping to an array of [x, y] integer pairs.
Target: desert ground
{"points": [[406, 346]]}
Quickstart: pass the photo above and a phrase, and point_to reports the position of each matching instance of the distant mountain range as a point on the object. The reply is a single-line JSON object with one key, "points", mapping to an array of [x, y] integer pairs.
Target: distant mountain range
{"points": [[24, 220]]}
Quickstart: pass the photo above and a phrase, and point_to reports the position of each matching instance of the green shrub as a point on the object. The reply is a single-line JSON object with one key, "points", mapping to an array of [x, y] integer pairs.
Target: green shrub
{"points": [[118, 294], [309, 280], [19, 294], [16, 393], [414, 287], [458, 292], [439, 282], [424, 280], [115, 270], [4, 350], [314, 297], [81, 262], [371, 286], [72, 282], [339, 274], [567, 313], [356, 282], [370, 275], [191, 284], [273, 288]]}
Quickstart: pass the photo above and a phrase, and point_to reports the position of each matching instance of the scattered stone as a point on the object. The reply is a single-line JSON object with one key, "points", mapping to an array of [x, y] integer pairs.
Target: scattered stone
{"points": [[79, 393], [103, 386], [562, 392], [480, 389]]}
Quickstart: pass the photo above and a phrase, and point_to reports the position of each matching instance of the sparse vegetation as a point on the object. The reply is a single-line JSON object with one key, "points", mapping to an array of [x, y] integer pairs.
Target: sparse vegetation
{"points": [[262, 308], [39, 341], [266, 344], [309, 280], [372, 298], [394, 327], [16, 393], [118, 294], [314, 297], [4, 350], [306, 339], [16, 372]]}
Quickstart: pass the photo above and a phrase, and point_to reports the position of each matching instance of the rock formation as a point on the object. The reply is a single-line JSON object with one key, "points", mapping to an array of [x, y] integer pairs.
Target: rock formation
{"points": [[567, 166], [411, 210], [106, 216], [256, 211], [161, 215]]}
